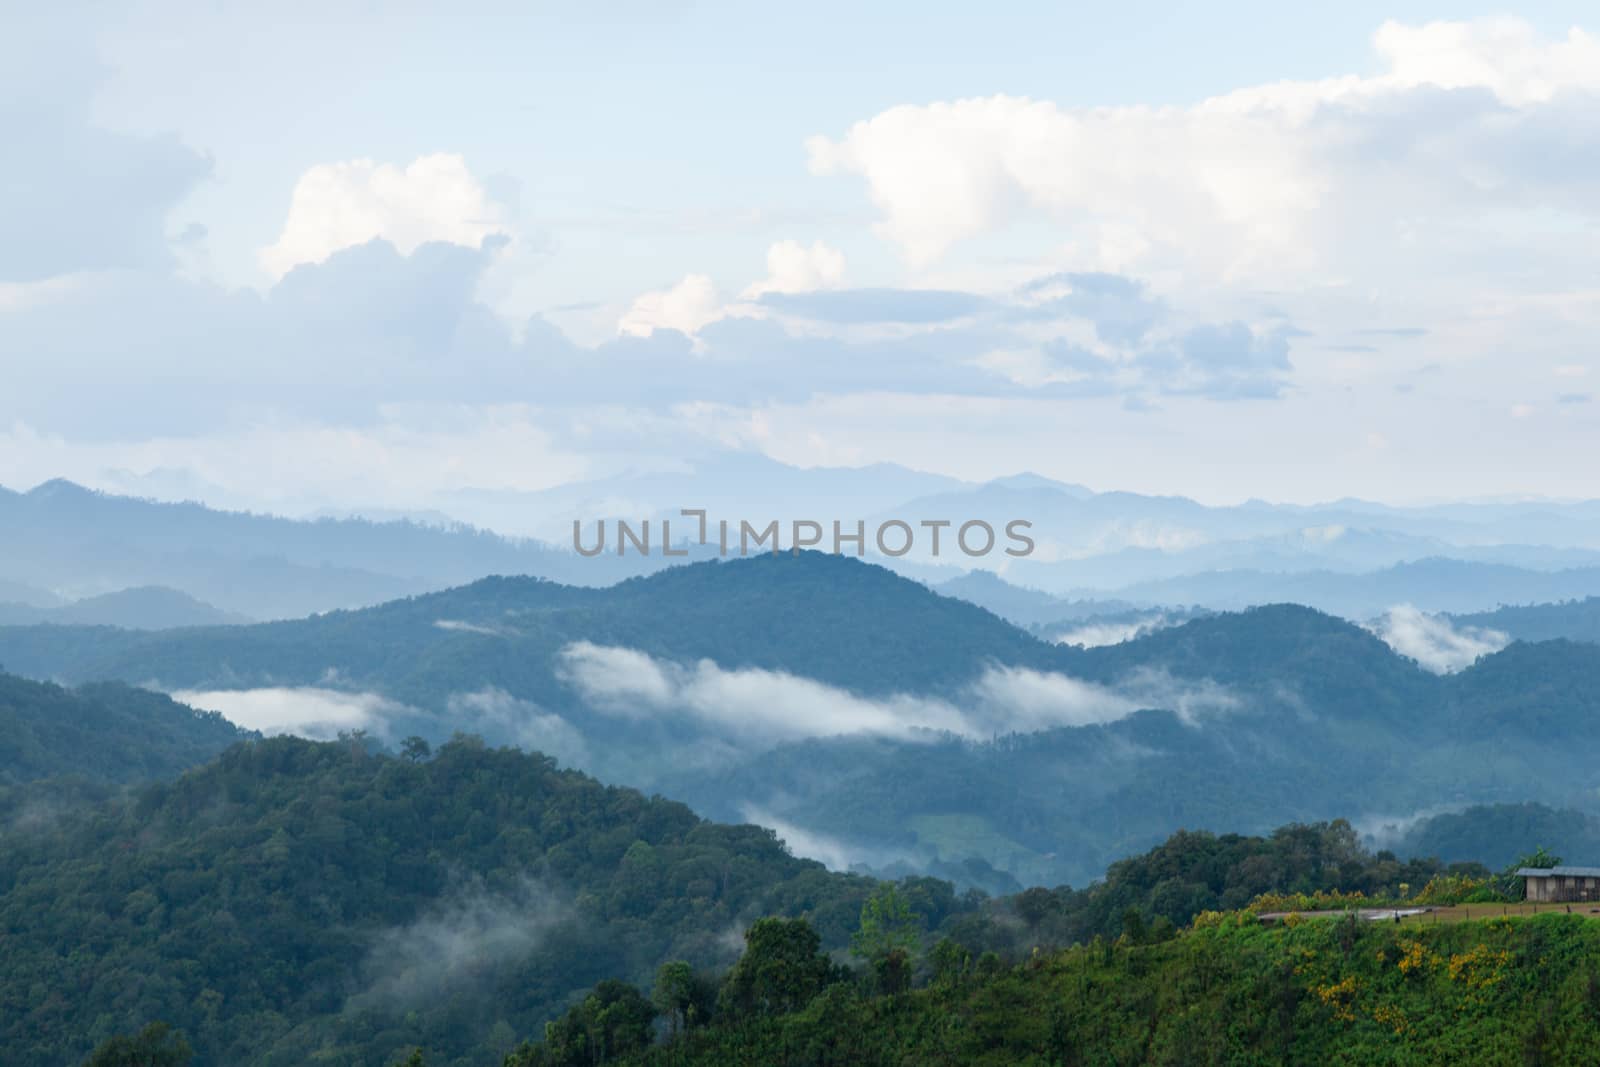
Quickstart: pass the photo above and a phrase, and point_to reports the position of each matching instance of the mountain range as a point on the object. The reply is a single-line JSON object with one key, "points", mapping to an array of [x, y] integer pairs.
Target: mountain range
{"points": [[881, 725], [1097, 552], [150, 607]]}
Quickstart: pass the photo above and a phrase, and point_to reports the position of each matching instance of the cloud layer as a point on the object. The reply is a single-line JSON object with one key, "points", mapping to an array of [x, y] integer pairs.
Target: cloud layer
{"points": [[305, 711], [755, 707]]}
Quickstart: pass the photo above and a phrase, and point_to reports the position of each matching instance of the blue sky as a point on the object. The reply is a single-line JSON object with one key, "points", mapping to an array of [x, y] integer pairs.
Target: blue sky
{"points": [[1228, 251]]}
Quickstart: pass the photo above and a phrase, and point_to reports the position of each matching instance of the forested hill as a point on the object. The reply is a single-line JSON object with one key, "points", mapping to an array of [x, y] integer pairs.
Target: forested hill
{"points": [[296, 902], [1576, 620], [104, 732], [1497, 834], [825, 617]]}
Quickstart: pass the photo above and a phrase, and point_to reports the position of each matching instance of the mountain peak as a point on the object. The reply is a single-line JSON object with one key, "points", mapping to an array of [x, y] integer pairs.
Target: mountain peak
{"points": [[60, 488]]}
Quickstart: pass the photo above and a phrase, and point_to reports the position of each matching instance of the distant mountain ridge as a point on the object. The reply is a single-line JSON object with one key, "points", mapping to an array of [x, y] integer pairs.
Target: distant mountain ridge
{"points": [[147, 608], [1575, 620], [84, 543], [1353, 558], [1435, 584]]}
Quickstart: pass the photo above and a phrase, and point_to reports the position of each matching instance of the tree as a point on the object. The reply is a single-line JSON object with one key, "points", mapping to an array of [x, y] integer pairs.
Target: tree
{"points": [[157, 1045], [673, 995], [611, 1022], [780, 971], [415, 749], [951, 962], [1034, 905], [887, 925]]}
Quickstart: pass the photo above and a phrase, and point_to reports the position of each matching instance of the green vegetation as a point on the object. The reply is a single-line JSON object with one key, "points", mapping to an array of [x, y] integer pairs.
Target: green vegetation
{"points": [[296, 902], [154, 1046], [1227, 991], [102, 733]]}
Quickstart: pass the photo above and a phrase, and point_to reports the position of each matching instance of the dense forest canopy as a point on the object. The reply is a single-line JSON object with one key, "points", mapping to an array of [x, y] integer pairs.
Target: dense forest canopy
{"points": [[294, 900], [106, 732]]}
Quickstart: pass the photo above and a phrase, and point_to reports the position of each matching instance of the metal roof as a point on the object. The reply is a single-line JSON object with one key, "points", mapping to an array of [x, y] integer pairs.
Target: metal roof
{"points": [[1559, 872]]}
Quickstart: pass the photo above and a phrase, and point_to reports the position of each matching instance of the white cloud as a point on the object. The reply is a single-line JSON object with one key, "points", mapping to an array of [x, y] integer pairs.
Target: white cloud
{"points": [[464, 627], [760, 706], [1024, 700], [305, 711], [794, 268], [1433, 642], [1504, 55], [1192, 699], [695, 302], [686, 307], [493, 710], [831, 852], [339, 205], [1098, 634], [1258, 182], [619, 680], [753, 704]]}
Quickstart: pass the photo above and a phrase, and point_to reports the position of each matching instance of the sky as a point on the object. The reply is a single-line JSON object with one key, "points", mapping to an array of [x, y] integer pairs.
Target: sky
{"points": [[360, 255]]}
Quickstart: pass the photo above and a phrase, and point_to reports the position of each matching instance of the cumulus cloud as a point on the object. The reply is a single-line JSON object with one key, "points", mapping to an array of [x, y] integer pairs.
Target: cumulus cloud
{"points": [[305, 711], [686, 307], [796, 268], [341, 205], [1504, 55], [1257, 182], [754, 706], [1433, 641]]}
